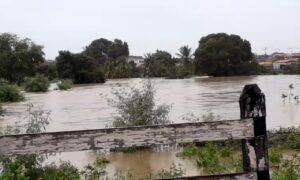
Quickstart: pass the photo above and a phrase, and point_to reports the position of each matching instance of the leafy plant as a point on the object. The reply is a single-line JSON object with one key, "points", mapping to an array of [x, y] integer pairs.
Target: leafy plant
{"points": [[214, 157], [173, 172], [64, 171], [96, 170], [275, 156], [137, 107], [9, 92], [285, 138], [65, 84], [289, 169], [1, 110], [39, 83]]}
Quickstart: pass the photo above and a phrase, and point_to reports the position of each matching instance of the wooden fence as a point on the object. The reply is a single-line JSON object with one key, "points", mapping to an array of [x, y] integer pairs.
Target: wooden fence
{"points": [[250, 129]]}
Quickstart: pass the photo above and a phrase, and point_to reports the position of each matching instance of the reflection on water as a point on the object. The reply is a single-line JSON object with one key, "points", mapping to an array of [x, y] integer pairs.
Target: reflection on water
{"points": [[84, 107]]}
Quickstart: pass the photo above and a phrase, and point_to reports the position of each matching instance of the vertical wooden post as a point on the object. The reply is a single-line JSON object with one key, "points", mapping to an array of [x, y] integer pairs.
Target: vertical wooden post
{"points": [[255, 151]]}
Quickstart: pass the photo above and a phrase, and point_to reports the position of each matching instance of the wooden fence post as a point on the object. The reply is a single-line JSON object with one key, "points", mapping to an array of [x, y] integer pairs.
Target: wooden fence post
{"points": [[255, 151]]}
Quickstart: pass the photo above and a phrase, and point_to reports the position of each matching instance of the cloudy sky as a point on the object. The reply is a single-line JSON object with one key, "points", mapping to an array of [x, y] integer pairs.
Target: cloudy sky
{"points": [[148, 25]]}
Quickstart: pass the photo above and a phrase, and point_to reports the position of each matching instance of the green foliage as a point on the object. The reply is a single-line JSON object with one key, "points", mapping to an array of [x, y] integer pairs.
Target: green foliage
{"points": [[185, 54], [288, 138], [189, 151], [39, 83], [36, 121], [214, 157], [158, 64], [162, 64], [96, 170], [18, 57], [103, 49], [289, 169], [65, 84], [48, 69], [1, 110], [137, 107], [20, 169], [9, 92], [14, 170], [225, 55], [81, 68], [275, 156], [65, 171], [173, 172], [117, 68]]}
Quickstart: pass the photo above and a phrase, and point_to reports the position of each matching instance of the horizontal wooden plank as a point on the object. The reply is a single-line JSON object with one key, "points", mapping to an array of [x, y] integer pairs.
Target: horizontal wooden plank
{"points": [[115, 138], [243, 176]]}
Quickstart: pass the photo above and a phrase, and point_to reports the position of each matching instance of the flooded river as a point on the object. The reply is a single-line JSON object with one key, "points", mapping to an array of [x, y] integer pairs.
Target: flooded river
{"points": [[85, 107]]}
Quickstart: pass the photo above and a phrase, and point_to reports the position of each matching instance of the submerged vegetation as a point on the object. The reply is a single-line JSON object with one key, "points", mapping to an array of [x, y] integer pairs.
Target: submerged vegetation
{"points": [[137, 106], [65, 84], [9, 92], [39, 83]]}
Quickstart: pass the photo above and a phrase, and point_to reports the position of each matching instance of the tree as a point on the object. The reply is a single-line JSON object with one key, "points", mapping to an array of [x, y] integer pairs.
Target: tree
{"points": [[103, 49], [117, 68], [185, 54], [81, 68], [158, 64], [18, 57], [48, 69], [225, 55]]}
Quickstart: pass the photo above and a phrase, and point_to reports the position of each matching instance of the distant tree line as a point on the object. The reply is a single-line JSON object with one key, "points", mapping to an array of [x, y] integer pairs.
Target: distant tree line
{"points": [[216, 55]]}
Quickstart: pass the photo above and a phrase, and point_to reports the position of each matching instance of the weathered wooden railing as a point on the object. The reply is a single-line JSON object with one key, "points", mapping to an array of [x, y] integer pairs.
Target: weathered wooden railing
{"points": [[251, 129]]}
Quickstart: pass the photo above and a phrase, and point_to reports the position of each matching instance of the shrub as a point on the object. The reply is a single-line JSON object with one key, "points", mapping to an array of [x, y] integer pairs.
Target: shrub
{"points": [[9, 92], [96, 170], [65, 84], [288, 169], [275, 156], [1, 110], [39, 83], [137, 107], [285, 138], [214, 157], [173, 172]]}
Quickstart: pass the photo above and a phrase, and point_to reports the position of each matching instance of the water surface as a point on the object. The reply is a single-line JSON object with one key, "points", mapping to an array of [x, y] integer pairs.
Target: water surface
{"points": [[85, 107]]}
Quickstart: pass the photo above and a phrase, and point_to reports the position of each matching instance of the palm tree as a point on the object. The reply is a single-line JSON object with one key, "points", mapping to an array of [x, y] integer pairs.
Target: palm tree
{"points": [[185, 53]]}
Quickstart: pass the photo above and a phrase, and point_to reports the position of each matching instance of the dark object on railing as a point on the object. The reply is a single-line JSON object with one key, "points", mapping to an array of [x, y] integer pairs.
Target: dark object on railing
{"points": [[253, 105]]}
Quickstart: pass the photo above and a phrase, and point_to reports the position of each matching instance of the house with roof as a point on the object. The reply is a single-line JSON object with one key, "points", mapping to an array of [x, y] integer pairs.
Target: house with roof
{"points": [[138, 60], [281, 65]]}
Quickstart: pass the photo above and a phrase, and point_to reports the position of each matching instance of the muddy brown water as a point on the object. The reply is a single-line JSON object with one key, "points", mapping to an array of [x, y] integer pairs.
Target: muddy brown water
{"points": [[85, 107]]}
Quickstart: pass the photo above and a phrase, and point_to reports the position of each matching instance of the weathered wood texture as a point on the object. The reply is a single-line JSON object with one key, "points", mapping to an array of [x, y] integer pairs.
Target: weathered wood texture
{"points": [[114, 138], [240, 176], [255, 150]]}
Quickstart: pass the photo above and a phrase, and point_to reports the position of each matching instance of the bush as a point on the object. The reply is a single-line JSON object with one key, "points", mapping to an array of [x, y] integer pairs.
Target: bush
{"points": [[65, 84], [288, 169], [285, 138], [137, 107], [214, 157], [39, 83], [9, 92], [173, 172], [1, 110]]}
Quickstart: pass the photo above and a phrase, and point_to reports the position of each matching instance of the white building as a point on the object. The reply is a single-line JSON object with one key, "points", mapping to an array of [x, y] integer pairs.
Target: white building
{"points": [[283, 64], [138, 60]]}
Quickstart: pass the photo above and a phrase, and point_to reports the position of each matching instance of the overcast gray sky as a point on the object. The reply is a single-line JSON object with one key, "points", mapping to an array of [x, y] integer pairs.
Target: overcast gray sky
{"points": [[148, 25]]}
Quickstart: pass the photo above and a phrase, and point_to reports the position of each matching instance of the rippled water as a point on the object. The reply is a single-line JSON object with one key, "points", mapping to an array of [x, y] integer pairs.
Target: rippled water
{"points": [[85, 107]]}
